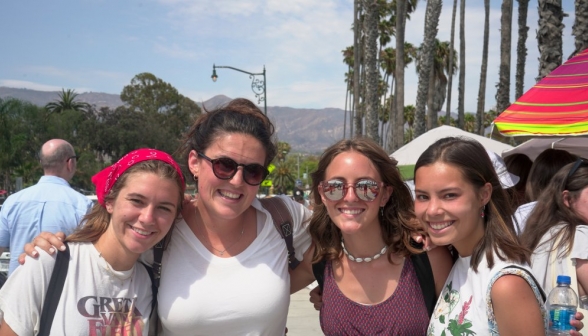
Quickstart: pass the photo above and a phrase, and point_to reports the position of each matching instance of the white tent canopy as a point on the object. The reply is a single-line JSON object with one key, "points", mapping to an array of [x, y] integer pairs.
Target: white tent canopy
{"points": [[532, 148], [409, 153]]}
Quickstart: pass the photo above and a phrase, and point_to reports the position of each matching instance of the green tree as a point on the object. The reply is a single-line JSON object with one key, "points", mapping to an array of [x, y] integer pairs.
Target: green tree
{"points": [[166, 113], [20, 130], [67, 101]]}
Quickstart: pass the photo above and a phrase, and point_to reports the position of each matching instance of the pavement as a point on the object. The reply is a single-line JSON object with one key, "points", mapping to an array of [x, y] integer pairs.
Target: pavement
{"points": [[303, 319]]}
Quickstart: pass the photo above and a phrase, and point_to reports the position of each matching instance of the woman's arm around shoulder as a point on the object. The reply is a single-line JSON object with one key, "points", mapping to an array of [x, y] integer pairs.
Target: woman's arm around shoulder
{"points": [[516, 308], [302, 276], [441, 264]]}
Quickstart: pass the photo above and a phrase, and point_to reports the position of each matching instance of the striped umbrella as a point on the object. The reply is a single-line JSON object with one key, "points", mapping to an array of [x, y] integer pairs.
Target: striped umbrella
{"points": [[556, 105]]}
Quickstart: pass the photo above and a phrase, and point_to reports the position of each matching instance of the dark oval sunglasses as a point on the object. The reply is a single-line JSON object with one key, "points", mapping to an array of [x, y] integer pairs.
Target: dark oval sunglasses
{"points": [[225, 168], [366, 190]]}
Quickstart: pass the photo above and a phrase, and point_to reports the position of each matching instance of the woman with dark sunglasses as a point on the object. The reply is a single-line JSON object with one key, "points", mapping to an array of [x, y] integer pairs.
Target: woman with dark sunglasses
{"points": [[225, 269], [559, 224], [362, 225]]}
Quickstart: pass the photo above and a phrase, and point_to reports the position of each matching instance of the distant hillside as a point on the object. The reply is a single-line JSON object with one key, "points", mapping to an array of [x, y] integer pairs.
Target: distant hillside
{"points": [[41, 98], [306, 130]]}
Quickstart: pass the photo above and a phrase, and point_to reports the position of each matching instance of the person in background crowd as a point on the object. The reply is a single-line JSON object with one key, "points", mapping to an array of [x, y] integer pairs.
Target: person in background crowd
{"points": [[50, 205], [559, 224], [362, 224], [460, 202], [544, 167], [106, 291], [520, 165]]}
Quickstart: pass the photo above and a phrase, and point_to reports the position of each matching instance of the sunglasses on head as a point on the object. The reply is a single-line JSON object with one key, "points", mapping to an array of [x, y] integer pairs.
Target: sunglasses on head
{"points": [[365, 189], [225, 168]]}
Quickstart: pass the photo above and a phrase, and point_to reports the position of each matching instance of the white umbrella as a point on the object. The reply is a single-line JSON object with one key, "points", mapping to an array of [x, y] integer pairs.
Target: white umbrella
{"points": [[409, 153], [532, 148]]}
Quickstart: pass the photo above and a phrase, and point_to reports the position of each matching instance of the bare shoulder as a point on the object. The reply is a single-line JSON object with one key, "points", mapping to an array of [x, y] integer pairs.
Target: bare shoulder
{"points": [[515, 307], [510, 285]]}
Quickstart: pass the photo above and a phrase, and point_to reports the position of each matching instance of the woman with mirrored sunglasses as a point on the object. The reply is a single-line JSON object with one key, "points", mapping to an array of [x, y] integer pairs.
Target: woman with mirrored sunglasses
{"points": [[362, 225], [225, 269]]}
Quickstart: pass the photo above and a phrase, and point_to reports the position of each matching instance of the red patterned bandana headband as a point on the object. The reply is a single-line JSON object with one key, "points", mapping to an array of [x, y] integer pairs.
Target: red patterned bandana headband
{"points": [[107, 177]]}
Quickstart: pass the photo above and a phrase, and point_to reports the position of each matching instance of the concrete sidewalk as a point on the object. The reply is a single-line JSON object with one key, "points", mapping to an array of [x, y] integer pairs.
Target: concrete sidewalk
{"points": [[303, 319]]}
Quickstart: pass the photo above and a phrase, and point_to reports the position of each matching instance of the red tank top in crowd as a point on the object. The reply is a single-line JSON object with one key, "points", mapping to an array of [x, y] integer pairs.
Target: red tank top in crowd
{"points": [[403, 314]]}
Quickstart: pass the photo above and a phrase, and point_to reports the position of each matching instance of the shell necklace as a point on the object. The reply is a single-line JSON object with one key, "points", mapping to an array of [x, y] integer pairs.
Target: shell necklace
{"points": [[367, 260]]}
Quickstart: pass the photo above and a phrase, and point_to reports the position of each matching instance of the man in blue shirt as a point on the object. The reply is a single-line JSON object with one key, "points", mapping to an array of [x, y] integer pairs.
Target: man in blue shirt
{"points": [[50, 205]]}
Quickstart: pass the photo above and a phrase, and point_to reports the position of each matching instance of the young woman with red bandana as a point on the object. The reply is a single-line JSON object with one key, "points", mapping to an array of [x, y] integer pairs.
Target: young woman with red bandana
{"points": [[106, 290]]}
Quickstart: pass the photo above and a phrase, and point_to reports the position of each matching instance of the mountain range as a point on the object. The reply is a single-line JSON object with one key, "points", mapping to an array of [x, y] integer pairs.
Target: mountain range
{"points": [[306, 130]]}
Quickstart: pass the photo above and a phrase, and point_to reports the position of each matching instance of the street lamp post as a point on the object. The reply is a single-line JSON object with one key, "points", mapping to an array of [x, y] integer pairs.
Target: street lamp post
{"points": [[257, 85]]}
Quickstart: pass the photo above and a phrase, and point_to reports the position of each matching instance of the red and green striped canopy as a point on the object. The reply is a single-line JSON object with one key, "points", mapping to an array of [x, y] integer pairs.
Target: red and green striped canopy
{"points": [[557, 105]]}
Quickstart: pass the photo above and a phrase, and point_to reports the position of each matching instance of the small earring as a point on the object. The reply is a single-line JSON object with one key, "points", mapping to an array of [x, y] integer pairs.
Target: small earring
{"points": [[482, 214], [382, 211]]}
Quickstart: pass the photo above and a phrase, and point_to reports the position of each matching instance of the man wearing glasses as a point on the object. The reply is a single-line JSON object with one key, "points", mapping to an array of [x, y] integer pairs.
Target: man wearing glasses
{"points": [[50, 205]]}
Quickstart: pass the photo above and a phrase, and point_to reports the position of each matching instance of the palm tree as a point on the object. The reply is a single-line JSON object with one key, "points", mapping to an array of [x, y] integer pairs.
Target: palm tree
{"points": [[396, 131], [283, 149], [66, 102], [356, 67], [503, 92], [549, 36], [521, 48], [348, 59], [282, 177], [450, 74], [461, 84], [408, 114], [372, 75], [580, 27], [432, 14], [438, 80], [479, 126], [469, 122]]}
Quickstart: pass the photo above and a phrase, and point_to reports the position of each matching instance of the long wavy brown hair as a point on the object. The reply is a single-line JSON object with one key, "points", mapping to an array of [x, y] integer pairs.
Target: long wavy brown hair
{"points": [[95, 223], [551, 210], [471, 159], [398, 221]]}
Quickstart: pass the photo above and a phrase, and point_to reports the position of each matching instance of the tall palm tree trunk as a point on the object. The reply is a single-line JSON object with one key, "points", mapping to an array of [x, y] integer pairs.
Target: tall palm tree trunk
{"points": [[549, 36], [450, 74], [580, 27], [396, 136], [461, 85], [431, 113], [356, 64], [503, 92], [432, 14], [479, 125], [345, 116], [372, 75], [521, 48]]}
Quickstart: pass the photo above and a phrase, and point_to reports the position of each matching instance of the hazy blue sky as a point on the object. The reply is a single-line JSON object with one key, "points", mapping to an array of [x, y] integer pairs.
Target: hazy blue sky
{"points": [[100, 45]]}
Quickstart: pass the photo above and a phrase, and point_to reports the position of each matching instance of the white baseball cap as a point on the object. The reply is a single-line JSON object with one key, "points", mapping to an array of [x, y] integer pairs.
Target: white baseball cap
{"points": [[507, 180]]}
